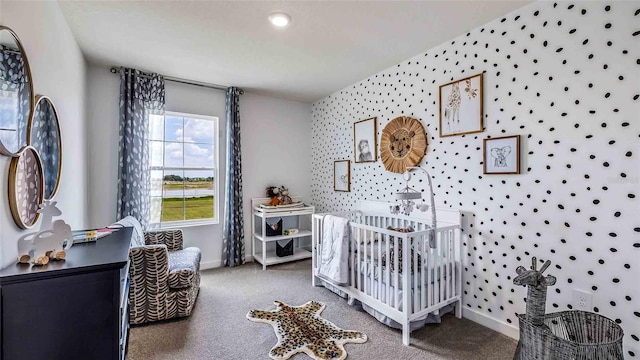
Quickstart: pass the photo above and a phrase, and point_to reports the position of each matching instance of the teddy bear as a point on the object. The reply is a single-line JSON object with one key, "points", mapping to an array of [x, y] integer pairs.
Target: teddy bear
{"points": [[284, 196]]}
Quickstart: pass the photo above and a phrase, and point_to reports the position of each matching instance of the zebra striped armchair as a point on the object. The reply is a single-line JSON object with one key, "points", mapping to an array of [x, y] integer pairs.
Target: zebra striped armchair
{"points": [[164, 277]]}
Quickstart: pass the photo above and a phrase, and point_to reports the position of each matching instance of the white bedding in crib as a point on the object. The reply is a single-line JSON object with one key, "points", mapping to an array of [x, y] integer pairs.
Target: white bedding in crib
{"points": [[433, 269], [334, 252]]}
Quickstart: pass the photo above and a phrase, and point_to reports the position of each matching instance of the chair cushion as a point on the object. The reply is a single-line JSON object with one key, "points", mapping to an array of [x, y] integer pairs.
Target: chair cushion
{"points": [[137, 235], [183, 267]]}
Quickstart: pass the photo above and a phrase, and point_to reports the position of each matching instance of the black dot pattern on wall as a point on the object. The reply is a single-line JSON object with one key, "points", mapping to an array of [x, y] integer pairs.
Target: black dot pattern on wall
{"points": [[570, 88]]}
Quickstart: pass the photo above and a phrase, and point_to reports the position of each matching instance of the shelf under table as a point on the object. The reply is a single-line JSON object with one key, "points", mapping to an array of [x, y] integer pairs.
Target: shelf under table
{"points": [[272, 258], [299, 234]]}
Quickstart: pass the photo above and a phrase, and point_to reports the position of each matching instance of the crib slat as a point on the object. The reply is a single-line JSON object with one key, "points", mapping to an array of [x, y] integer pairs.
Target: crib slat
{"points": [[387, 270], [422, 288], [453, 264], [396, 275], [379, 264], [436, 279], [429, 279], [416, 267], [373, 266], [364, 270], [353, 262], [359, 256], [423, 277], [441, 270], [446, 276]]}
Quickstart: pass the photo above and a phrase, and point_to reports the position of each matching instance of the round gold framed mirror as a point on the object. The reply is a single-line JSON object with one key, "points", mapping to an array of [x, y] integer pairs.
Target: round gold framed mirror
{"points": [[403, 143], [43, 134], [16, 93], [26, 187]]}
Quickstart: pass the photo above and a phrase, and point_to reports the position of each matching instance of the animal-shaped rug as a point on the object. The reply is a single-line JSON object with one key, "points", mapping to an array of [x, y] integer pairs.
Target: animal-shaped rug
{"points": [[301, 329]]}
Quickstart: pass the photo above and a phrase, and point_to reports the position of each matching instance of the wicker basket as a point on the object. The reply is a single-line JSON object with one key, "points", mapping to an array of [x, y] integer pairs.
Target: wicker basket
{"points": [[571, 335]]}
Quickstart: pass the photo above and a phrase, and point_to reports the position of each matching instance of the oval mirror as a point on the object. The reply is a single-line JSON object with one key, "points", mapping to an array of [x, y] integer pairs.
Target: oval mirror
{"points": [[43, 133], [26, 187], [16, 93]]}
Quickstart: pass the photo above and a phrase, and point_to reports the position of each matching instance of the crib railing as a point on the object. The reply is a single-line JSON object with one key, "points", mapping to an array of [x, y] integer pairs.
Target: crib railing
{"points": [[384, 262]]}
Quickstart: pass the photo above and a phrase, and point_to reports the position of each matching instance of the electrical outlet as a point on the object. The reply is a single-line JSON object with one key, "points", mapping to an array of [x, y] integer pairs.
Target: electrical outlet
{"points": [[581, 300]]}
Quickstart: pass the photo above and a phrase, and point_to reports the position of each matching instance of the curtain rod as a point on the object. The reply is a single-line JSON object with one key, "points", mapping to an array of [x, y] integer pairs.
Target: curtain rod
{"points": [[114, 70]]}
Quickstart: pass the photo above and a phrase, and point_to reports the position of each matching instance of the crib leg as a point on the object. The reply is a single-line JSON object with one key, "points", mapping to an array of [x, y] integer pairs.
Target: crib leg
{"points": [[406, 333], [459, 309]]}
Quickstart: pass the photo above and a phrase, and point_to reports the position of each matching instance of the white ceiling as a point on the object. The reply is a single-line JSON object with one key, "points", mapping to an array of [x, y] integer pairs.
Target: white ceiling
{"points": [[328, 46]]}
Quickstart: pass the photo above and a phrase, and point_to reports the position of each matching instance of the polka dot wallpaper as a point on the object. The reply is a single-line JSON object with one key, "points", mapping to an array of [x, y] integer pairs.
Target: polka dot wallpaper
{"points": [[566, 78]]}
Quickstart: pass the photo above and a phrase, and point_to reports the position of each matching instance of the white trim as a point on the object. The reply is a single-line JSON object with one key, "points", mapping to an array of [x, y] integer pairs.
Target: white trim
{"points": [[493, 324], [192, 116], [210, 264], [216, 170], [168, 225]]}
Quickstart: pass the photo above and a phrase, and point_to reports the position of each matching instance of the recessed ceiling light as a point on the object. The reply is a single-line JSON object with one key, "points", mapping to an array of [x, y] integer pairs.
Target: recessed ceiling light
{"points": [[280, 19]]}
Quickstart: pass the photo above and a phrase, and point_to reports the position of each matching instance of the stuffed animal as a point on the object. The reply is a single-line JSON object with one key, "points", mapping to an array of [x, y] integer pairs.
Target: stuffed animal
{"points": [[284, 196], [273, 192]]}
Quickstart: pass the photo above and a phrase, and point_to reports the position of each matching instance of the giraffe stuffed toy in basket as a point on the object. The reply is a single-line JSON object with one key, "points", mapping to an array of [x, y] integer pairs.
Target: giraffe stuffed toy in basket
{"points": [[575, 335]]}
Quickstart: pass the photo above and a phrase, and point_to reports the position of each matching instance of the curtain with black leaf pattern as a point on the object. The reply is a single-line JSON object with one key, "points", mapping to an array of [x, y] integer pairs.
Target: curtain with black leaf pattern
{"points": [[233, 226], [140, 95]]}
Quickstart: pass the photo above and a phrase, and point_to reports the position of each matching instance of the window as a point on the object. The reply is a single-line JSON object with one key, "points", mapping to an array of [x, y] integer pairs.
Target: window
{"points": [[183, 154]]}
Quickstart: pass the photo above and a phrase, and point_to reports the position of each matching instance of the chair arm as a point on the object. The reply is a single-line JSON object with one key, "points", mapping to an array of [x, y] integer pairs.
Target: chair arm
{"points": [[171, 238], [148, 270]]}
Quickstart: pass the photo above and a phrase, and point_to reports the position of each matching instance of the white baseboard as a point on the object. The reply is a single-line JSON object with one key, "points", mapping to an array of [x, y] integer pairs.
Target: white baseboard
{"points": [[218, 263], [493, 324], [210, 264]]}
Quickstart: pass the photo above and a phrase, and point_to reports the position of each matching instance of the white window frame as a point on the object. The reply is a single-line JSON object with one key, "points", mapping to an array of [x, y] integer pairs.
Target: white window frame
{"points": [[216, 180]]}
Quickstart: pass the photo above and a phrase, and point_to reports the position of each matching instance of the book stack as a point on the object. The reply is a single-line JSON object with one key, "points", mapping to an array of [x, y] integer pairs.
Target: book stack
{"points": [[82, 236]]}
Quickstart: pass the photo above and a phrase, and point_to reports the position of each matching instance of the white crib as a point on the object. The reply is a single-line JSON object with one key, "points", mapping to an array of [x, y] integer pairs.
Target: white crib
{"points": [[434, 283]]}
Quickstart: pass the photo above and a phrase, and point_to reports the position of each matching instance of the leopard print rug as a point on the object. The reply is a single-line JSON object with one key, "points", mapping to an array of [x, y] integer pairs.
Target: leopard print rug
{"points": [[301, 329]]}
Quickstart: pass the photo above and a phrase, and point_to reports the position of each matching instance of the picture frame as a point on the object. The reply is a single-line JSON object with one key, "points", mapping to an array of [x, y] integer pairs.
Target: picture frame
{"points": [[501, 155], [461, 106], [342, 175], [365, 144]]}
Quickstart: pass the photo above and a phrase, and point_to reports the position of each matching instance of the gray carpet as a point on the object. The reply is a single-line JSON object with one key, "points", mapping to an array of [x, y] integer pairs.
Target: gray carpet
{"points": [[218, 329]]}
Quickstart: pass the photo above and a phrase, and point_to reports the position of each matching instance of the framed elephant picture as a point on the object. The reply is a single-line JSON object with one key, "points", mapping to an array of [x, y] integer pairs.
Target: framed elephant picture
{"points": [[461, 104], [502, 155]]}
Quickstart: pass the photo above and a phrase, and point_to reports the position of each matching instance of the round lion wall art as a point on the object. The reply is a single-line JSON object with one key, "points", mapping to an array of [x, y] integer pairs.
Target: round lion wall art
{"points": [[403, 143]]}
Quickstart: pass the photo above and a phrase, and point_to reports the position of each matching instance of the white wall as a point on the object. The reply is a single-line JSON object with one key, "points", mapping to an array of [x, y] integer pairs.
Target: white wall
{"points": [[59, 71], [266, 124], [563, 76], [276, 150]]}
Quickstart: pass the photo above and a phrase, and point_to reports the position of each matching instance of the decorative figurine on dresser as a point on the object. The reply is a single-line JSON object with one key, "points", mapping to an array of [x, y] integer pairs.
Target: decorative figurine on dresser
{"points": [[50, 242]]}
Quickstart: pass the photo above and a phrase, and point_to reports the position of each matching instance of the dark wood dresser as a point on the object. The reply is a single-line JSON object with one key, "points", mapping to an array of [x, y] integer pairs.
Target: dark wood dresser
{"points": [[72, 309]]}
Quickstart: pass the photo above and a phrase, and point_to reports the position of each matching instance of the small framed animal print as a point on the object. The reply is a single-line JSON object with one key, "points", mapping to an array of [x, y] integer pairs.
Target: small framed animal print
{"points": [[502, 155], [364, 140], [461, 104], [342, 175]]}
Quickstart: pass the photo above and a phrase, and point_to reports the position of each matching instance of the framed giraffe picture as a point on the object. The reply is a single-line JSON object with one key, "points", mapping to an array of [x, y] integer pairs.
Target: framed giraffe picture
{"points": [[461, 108]]}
